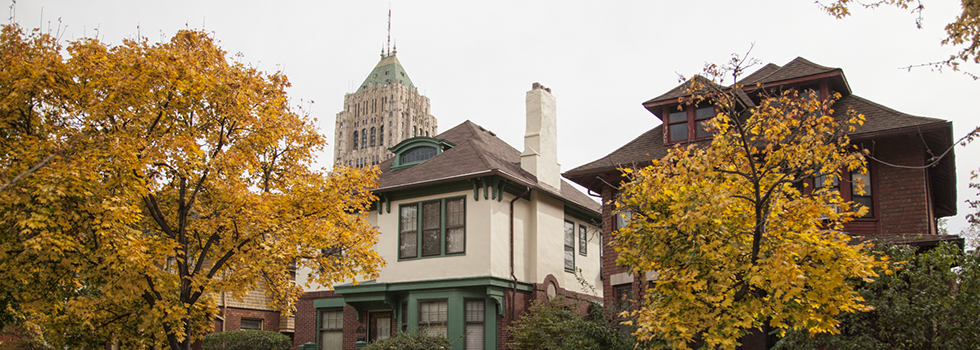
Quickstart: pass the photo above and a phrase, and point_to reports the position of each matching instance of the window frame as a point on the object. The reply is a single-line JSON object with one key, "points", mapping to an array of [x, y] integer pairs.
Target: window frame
{"points": [[583, 240], [241, 323], [568, 247], [445, 323], [321, 328], [443, 228], [847, 191], [691, 120], [482, 322]]}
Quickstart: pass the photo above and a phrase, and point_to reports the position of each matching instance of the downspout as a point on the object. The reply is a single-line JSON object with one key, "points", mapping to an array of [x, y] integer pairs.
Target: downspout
{"points": [[513, 298]]}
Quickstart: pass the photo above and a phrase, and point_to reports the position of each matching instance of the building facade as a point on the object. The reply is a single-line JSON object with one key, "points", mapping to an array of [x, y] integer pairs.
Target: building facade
{"points": [[472, 230], [911, 183], [384, 110]]}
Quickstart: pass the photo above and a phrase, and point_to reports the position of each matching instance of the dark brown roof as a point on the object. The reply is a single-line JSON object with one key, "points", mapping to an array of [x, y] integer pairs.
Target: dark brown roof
{"points": [[797, 68], [758, 75], [880, 121], [682, 90], [477, 153]]}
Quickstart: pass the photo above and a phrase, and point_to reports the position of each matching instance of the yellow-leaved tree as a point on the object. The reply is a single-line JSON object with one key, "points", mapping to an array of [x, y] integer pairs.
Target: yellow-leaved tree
{"points": [[733, 231], [140, 180]]}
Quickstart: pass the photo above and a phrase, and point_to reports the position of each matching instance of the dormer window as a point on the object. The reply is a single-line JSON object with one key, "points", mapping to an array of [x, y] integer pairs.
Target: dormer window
{"points": [[688, 124], [417, 150]]}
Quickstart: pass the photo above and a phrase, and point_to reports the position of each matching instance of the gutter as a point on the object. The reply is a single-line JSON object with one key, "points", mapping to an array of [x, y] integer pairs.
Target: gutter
{"points": [[513, 297]]}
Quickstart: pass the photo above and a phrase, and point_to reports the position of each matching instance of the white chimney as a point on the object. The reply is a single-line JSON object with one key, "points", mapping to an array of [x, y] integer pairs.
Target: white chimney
{"points": [[540, 155]]}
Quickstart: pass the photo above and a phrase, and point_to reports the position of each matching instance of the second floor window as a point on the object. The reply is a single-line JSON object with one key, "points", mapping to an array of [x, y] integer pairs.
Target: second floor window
{"points": [[373, 133], [443, 228], [569, 246], [688, 124]]}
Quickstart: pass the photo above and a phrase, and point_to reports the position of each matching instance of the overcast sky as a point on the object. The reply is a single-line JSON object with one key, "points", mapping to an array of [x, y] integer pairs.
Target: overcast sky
{"points": [[476, 59]]}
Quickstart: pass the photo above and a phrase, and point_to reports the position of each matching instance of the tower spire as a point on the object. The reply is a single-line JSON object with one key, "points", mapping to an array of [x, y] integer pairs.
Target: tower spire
{"points": [[389, 29]]}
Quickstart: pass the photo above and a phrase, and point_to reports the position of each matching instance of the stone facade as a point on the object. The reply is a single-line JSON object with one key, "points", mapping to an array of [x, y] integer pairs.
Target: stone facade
{"points": [[386, 109]]}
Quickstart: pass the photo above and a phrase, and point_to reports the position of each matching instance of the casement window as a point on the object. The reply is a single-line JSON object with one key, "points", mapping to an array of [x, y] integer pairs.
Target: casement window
{"points": [[688, 124], [443, 228], [251, 324], [583, 240], [475, 316], [434, 317], [331, 329], [569, 246], [849, 189]]}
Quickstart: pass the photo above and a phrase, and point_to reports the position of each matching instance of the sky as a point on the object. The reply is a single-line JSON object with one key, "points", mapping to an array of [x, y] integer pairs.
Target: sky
{"points": [[476, 59]]}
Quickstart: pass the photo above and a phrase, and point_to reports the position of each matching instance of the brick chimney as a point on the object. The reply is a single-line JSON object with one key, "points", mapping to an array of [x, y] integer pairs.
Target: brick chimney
{"points": [[540, 155]]}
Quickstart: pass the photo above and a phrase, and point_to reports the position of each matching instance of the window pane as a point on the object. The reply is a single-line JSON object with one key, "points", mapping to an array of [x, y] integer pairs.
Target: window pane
{"points": [[862, 179], [866, 202], [455, 213], [430, 215], [418, 154], [825, 181], [431, 244], [332, 319], [678, 116], [455, 240], [678, 132], [474, 336], [583, 240], [409, 245], [569, 234], [331, 340], [704, 113], [251, 324], [569, 258], [474, 310], [702, 132], [433, 312]]}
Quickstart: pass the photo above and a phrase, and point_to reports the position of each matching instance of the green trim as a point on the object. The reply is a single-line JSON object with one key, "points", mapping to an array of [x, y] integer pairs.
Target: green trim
{"points": [[432, 190], [463, 282], [325, 303], [413, 143], [419, 216], [581, 214]]}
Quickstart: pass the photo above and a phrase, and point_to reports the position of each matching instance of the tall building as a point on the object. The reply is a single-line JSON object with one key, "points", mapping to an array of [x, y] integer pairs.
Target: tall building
{"points": [[386, 109]]}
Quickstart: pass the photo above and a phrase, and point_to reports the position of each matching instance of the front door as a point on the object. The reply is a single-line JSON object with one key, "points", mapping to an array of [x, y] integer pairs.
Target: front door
{"points": [[380, 325]]}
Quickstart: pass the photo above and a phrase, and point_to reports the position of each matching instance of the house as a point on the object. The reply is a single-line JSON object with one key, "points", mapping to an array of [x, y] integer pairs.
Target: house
{"points": [[912, 182], [472, 230]]}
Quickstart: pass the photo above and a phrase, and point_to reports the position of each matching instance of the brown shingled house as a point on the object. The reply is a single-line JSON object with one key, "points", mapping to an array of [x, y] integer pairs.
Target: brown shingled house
{"points": [[905, 203], [472, 230]]}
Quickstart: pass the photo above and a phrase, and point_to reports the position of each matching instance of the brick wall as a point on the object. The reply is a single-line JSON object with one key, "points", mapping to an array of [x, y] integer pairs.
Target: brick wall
{"points": [[903, 200], [305, 327]]}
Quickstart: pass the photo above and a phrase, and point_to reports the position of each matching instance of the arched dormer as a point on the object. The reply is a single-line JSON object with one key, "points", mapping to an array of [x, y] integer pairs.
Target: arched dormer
{"points": [[417, 150]]}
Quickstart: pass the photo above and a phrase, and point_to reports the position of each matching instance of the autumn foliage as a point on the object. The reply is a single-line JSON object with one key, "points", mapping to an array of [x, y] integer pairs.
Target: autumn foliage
{"points": [[141, 179], [735, 230]]}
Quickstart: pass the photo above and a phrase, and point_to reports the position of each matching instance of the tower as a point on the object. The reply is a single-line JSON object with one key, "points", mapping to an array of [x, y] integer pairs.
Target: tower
{"points": [[386, 109]]}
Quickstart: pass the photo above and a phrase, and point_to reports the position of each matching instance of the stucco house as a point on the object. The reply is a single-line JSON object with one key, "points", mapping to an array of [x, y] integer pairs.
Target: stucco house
{"points": [[472, 230], [912, 178]]}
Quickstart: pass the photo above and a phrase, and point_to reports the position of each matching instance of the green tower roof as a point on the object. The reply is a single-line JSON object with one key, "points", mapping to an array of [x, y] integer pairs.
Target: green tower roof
{"points": [[388, 71]]}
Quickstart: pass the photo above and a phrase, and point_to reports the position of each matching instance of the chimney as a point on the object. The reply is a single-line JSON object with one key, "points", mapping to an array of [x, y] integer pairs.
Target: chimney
{"points": [[540, 155]]}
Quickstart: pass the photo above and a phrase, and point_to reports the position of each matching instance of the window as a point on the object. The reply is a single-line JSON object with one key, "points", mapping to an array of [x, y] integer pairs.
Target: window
{"points": [[414, 132], [474, 324], [381, 136], [363, 138], [583, 240], [863, 196], [251, 324], [569, 246], [688, 124], [373, 133], [354, 146], [419, 154], [443, 223], [331, 329], [433, 317]]}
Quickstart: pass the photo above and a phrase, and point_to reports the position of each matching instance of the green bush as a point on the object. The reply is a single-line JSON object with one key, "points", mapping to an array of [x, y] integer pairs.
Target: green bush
{"points": [[412, 340], [930, 301], [247, 340], [555, 325]]}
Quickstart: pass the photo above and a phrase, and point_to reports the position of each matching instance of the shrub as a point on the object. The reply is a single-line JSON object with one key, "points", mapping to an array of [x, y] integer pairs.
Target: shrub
{"points": [[555, 325], [411, 340], [247, 340]]}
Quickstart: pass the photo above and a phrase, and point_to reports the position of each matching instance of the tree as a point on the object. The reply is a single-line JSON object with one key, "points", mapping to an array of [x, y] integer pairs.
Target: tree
{"points": [[556, 325], [142, 179], [737, 236], [963, 30], [930, 302]]}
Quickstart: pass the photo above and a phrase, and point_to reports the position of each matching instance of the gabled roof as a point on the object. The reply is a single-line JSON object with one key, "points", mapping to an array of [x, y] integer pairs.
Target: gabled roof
{"points": [[880, 121], [797, 68], [477, 153], [682, 90], [388, 70]]}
